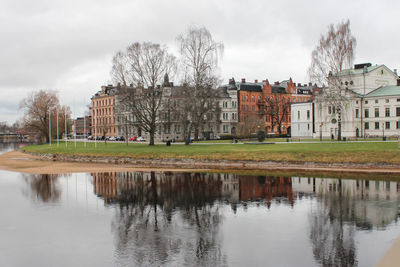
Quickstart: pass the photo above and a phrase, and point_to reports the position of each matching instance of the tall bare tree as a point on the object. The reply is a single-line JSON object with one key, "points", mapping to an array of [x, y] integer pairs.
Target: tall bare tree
{"points": [[41, 108], [277, 110], [142, 66], [200, 55], [334, 53]]}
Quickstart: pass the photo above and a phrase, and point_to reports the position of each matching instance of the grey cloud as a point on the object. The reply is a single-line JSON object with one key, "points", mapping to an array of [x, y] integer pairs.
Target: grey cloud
{"points": [[68, 45]]}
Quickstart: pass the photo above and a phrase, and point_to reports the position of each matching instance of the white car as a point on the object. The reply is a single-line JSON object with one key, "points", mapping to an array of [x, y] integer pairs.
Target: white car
{"points": [[141, 139]]}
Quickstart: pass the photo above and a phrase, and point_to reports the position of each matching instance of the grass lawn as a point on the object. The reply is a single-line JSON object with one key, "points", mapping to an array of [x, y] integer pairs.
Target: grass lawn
{"points": [[302, 152]]}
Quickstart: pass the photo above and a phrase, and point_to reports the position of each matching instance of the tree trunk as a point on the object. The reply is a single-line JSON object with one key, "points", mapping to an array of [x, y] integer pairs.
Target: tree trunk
{"points": [[339, 137], [151, 138], [196, 134]]}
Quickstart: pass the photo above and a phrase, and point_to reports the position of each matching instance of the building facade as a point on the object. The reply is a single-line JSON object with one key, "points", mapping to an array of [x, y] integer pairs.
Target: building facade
{"points": [[103, 112], [371, 94]]}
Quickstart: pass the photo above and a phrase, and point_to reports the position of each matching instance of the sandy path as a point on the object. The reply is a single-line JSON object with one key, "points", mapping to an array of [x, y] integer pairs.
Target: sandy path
{"points": [[21, 162]]}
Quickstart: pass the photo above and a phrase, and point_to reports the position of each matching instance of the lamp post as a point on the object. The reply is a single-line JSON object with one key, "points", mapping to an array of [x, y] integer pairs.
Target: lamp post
{"points": [[383, 131], [320, 131], [49, 126], [58, 141]]}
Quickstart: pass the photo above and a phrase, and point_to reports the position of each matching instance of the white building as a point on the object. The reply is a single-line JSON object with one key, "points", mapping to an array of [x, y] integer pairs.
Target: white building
{"points": [[303, 124], [372, 94]]}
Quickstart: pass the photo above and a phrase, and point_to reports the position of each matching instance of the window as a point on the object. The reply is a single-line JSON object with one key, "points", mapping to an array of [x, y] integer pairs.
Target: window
{"points": [[398, 111], [366, 126], [234, 104], [308, 114], [333, 109], [225, 128], [357, 113], [387, 100], [224, 104], [233, 116], [387, 112], [357, 102], [252, 98], [376, 112], [366, 101], [366, 113], [376, 101], [376, 125], [329, 109], [298, 114], [387, 125], [397, 124], [398, 99], [253, 108]]}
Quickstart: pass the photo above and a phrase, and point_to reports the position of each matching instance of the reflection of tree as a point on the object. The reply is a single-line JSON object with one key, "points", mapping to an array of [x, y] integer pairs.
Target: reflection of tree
{"points": [[266, 187], [43, 187], [331, 235], [168, 217]]}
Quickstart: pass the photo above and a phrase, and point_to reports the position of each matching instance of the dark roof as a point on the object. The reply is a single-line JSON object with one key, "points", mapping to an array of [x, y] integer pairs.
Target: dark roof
{"points": [[250, 87]]}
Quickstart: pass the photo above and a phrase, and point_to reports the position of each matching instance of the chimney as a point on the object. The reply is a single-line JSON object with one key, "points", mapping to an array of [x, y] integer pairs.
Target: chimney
{"points": [[255, 81], [398, 82], [299, 84], [310, 84], [230, 81], [276, 83], [243, 80]]}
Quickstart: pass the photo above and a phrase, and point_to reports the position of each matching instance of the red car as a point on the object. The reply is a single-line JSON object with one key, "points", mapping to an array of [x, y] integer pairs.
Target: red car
{"points": [[133, 138]]}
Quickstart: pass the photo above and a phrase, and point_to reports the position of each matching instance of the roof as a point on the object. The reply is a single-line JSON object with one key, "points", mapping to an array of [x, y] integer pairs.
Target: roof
{"points": [[358, 71], [385, 91], [250, 87]]}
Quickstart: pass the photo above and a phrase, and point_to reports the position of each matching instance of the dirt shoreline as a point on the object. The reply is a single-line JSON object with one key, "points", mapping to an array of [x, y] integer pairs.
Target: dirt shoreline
{"points": [[47, 163]]}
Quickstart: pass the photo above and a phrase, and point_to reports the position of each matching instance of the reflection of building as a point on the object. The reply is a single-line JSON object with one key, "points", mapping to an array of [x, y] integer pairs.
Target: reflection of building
{"points": [[105, 185], [363, 197], [264, 187]]}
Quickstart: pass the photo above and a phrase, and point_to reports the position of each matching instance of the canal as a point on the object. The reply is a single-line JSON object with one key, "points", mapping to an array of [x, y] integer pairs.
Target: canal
{"points": [[159, 218]]}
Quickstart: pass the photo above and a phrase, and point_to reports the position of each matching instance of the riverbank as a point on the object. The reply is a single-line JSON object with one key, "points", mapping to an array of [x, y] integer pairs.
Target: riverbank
{"points": [[64, 163]]}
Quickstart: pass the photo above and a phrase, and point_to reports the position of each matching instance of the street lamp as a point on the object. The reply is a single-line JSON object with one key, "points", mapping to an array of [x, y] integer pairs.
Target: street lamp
{"points": [[320, 131], [383, 131]]}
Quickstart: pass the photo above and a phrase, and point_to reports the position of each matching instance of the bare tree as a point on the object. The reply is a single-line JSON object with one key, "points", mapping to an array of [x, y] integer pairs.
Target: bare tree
{"points": [[143, 66], [334, 53], [199, 55], [40, 108], [277, 110], [250, 125]]}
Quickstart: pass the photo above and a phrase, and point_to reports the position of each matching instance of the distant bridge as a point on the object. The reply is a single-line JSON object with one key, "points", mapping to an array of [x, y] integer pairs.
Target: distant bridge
{"points": [[13, 137]]}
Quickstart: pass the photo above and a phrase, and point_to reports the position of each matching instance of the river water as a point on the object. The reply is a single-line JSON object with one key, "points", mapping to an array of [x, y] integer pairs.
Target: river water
{"points": [[194, 219]]}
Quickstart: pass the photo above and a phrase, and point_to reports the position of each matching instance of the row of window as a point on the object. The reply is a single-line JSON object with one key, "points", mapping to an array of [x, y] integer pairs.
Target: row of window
{"points": [[225, 104], [308, 114], [225, 116], [104, 102], [376, 111], [377, 126], [102, 111], [377, 101]]}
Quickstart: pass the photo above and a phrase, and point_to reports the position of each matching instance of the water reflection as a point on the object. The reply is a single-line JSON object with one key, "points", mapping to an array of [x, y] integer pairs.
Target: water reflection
{"points": [[181, 219], [163, 217], [42, 187]]}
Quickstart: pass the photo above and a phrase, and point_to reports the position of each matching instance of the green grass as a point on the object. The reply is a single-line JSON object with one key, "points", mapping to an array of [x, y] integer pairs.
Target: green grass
{"points": [[374, 152]]}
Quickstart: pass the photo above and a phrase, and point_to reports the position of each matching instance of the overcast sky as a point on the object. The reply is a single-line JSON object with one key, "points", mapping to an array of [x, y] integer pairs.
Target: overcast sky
{"points": [[68, 45]]}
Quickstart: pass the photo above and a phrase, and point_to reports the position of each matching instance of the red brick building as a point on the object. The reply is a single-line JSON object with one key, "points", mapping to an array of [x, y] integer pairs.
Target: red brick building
{"points": [[267, 106]]}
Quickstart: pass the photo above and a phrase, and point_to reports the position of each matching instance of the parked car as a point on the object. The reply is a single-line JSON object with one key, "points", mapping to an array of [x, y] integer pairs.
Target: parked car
{"points": [[121, 138], [133, 138], [90, 137], [112, 138], [141, 139]]}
